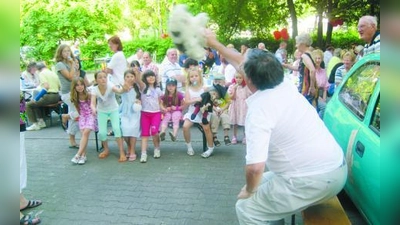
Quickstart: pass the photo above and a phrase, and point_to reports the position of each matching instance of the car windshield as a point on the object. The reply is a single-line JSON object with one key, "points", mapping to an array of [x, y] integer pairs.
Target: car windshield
{"points": [[357, 90]]}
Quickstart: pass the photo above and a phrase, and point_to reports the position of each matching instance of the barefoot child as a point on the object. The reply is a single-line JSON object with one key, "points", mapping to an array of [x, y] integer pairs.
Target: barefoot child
{"points": [[171, 106], [87, 121], [238, 92], [151, 113], [105, 106], [130, 112]]}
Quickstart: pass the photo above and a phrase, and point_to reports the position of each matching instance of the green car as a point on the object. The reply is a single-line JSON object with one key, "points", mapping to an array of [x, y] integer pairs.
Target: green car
{"points": [[353, 117]]}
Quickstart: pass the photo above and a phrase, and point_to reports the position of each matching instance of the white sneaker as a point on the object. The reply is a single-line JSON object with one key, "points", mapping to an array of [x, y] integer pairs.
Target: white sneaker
{"points": [[157, 153], [42, 124], [34, 126], [75, 159], [81, 160], [190, 151], [143, 158], [207, 153]]}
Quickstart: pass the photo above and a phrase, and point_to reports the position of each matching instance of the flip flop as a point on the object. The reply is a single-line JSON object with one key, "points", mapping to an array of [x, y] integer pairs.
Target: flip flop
{"points": [[29, 220], [74, 146], [122, 158], [32, 204], [103, 155], [132, 157]]}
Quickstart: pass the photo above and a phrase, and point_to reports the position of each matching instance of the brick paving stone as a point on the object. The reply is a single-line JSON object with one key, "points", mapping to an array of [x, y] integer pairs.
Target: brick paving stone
{"points": [[176, 189]]}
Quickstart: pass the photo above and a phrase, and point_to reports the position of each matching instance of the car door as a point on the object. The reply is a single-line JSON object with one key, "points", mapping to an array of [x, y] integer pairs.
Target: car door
{"points": [[361, 96]]}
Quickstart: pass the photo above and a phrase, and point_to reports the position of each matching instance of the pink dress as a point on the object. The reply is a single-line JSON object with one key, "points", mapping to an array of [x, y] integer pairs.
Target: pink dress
{"points": [[86, 119], [238, 107]]}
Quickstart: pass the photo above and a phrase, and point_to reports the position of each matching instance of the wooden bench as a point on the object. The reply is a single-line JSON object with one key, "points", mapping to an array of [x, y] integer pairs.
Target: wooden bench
{"points": [[329, 212]]}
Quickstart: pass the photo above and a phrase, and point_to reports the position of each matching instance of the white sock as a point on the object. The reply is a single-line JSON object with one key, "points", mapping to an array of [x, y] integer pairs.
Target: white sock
{"points": [[189, 145]]}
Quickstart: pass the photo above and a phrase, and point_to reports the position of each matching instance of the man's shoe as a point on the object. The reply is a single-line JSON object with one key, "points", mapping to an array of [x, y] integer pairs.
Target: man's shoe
{"points": [[42, 124], [227, 140], [34, 126], [216, 142]]}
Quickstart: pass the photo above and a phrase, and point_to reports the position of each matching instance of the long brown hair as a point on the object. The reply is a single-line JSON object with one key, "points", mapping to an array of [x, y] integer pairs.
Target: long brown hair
{"points": [[175, 99], [58, 56], [75, 95]]}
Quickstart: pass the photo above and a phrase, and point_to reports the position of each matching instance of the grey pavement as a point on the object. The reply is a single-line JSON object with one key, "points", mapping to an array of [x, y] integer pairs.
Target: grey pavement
{"points": [[175, 189]]}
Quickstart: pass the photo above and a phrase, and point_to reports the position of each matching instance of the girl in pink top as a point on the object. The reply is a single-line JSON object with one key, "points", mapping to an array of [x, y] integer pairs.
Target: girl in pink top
{"points": [[171, 106], [322, 81], [239, 92]]}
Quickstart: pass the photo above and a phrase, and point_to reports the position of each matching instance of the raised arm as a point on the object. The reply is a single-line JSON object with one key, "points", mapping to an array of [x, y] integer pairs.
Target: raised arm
{"points": [[72, 72], [235, 58]]}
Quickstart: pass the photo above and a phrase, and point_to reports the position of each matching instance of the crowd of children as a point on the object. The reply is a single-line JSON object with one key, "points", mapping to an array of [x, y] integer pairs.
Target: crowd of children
{"points": [[146, 111]]}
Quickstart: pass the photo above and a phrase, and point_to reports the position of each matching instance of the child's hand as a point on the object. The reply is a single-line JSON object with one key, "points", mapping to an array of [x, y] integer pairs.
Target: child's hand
{"points": [[173, 108], [168, 109], [94, 112]]}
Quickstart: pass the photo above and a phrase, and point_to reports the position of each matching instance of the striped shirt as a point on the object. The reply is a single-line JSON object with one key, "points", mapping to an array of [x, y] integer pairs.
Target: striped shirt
{"points": [[374, 46]]}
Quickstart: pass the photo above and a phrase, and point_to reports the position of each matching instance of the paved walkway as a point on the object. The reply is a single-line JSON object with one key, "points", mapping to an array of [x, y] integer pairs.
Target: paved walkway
{"points": [[175, 189]]}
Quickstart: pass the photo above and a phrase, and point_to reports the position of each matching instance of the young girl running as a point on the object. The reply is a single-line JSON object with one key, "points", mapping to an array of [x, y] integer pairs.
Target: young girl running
{"points": [[151, 113], [130, 112], [171, 106], [105, 106], [239, 92], [87, 121], [194, 89]]}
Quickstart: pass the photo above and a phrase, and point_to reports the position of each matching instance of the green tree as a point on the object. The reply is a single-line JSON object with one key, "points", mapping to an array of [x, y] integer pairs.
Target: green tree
{"points": [[44, 24]]}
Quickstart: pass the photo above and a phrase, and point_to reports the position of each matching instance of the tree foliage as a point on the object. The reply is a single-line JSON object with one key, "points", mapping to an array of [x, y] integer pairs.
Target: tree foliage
{"points": [[46, 23]]}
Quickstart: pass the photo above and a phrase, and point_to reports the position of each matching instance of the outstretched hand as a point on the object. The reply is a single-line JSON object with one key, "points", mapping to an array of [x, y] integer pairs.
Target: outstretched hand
{"points": [[211, 38]]}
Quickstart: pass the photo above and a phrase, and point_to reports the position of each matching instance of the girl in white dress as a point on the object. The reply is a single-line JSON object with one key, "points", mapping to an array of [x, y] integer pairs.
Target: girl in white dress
{"points": [[194, 89], [129, 111]]}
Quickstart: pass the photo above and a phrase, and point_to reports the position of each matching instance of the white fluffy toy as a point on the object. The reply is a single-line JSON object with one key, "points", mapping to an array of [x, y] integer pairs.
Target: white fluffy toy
{"points": [[187, 31]]}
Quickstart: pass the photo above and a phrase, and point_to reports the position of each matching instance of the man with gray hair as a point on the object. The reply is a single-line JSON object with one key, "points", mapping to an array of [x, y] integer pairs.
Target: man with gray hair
{"points": [[171, 69], [368, 31]]}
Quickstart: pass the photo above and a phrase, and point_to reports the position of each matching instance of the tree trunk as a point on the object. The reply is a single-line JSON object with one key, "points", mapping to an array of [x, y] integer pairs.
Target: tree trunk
{"points": [[293, 17], [320, 28]]}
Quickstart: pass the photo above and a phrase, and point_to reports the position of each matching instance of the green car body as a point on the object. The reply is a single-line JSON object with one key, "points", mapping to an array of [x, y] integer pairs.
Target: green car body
{"points": [[353, 117]]}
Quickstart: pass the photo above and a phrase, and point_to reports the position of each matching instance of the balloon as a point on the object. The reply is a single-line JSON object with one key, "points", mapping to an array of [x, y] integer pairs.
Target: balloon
{"points": [[277, 35]]}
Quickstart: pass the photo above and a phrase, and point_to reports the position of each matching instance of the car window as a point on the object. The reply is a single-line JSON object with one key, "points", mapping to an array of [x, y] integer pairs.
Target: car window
{"points": [[376, 118], [358, 88]]}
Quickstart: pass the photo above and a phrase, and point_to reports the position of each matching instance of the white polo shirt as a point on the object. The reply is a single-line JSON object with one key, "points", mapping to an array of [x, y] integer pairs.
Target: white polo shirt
{"points": [[170, 69], [284, 130]]}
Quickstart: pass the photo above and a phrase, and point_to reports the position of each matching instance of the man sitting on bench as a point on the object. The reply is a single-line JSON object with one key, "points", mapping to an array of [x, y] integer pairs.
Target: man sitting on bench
{"points": [[283, 131], [48, 80]]}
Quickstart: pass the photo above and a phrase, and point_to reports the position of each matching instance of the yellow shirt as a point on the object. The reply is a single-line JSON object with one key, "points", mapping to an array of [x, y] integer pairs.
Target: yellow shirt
{"points": [[48, 76]]}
